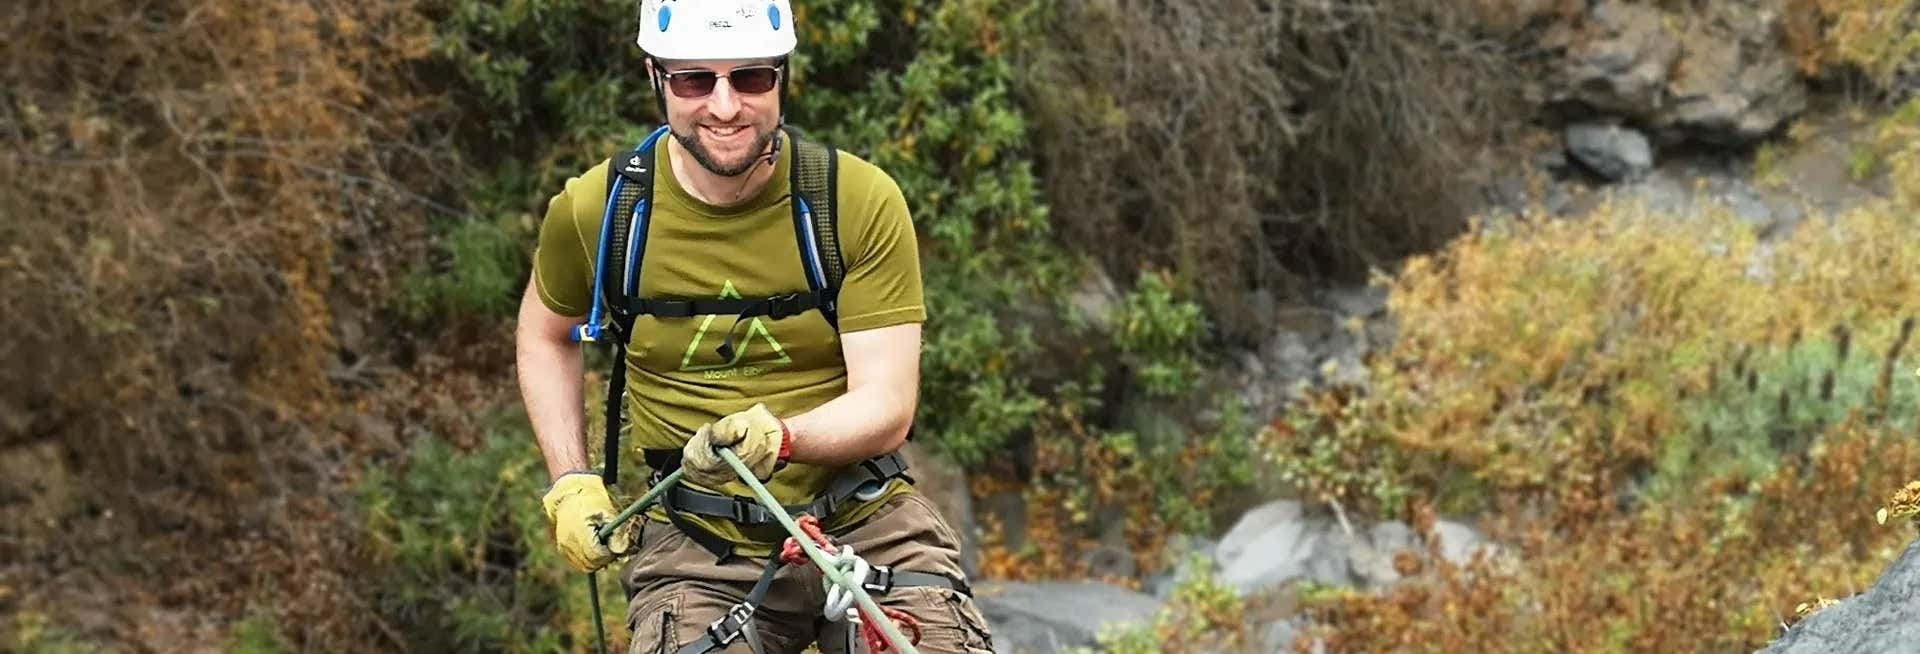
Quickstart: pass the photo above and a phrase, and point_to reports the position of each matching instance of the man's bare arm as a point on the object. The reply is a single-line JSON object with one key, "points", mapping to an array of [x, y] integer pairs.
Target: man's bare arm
{"points": [[872, 418], [549, 367]]}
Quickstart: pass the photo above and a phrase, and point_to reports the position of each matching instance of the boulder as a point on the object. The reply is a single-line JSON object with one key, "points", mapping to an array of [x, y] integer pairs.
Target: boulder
{"points": [[1883, 620], [1723, 76], [1046, 617], [1614, 152], [1276, 543]]}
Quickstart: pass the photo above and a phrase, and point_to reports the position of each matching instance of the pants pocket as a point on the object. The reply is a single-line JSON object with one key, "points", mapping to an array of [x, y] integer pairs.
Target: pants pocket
{"points": [[654, 625], [949, 622]]}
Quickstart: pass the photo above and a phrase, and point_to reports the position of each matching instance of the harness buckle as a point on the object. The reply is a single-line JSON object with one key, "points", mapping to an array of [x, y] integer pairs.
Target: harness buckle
{"points": [[884, 576], [747, 512], [730, 626]]}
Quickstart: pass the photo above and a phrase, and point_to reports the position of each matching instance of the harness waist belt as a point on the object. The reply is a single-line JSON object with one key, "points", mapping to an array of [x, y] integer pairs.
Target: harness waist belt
{"points": [[748, 511]]}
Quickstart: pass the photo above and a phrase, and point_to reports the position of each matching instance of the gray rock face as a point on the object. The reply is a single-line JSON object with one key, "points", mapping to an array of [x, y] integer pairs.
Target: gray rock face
{"points": [[1621, 65], [1312, 345], [1735, 82], [1614, 152], [1723, 78], [1883, 620], [1046, 617]]}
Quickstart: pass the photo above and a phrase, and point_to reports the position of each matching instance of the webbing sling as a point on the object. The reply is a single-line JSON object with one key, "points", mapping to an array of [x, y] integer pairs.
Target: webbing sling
{"points": [[813, 178]]}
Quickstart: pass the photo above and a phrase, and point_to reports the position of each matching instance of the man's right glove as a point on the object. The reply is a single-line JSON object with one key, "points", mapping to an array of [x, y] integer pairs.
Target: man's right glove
{"points": [[578, 505]]}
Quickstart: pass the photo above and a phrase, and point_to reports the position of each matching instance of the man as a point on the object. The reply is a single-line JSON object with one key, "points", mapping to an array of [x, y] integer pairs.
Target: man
{"points": [[805, 403]]}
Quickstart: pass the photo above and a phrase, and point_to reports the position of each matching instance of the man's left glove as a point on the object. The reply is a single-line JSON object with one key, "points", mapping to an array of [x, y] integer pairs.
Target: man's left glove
{"points": [[578, 505], [759, 438]]}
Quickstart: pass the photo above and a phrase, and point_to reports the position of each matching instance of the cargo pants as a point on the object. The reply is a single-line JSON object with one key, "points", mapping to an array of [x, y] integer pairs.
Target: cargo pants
{"points": [[675, 589]]}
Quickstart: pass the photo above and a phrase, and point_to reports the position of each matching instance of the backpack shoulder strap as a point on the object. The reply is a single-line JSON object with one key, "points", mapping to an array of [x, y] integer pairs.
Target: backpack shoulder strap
{"points": [[616, 277], [815, 179]]}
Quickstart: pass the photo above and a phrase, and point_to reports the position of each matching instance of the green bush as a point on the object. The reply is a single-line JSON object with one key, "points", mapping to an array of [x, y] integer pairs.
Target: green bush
{"points": [[466, 560], [1774, 400]]}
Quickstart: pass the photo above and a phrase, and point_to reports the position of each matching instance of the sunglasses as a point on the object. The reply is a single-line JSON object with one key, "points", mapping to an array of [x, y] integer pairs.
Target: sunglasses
{"points": [[751, 80]]}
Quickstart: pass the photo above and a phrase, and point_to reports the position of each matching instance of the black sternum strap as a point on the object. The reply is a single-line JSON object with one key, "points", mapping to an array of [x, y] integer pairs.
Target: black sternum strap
{"points": [[777, 307]]}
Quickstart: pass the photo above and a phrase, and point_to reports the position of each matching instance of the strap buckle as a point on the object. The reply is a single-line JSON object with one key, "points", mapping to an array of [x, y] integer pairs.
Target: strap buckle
{"points": [[730, 626], [748, 512], [884, 576], [782, 306]]}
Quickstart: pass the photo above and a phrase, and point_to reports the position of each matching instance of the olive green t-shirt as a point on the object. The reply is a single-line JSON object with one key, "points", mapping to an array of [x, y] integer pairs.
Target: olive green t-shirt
{"points": [[676, 381]]}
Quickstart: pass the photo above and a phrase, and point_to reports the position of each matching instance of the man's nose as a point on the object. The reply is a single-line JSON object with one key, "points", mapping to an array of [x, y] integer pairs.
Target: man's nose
{"points": [[723, 104]]}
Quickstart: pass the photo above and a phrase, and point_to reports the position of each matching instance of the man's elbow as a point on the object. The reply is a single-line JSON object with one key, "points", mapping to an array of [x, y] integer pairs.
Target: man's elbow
{"points": [[902, 426]]}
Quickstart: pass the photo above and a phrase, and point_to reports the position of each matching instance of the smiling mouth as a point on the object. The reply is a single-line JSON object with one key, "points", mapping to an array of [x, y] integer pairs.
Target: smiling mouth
{"points": [[724, 132]]}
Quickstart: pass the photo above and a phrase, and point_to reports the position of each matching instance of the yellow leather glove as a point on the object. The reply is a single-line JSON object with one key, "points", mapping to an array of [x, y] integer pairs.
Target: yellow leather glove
{"points": [[578, 505], [759, 438]]}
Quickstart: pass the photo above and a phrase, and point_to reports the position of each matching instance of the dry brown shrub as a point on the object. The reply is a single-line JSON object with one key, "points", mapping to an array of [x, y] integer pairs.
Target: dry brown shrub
{"points": [[1253, 144], [1719, 572], [199, 196]]}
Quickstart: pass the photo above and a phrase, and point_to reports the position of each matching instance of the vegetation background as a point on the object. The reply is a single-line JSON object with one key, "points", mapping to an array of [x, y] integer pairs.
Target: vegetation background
{"points": [[261, 259]]}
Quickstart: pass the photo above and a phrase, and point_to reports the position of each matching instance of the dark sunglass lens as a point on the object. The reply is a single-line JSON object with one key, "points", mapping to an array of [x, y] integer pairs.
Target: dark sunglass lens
{"points": [[692, 84], [753, 80]]}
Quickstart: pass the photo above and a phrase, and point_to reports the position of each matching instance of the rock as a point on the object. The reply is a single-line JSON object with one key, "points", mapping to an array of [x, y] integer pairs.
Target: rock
{"points": [[1044, 617], [1614, 152], [1275, 543], [1723, 77], [1009, 509], [1620, 65], [1110, 558], [1357, 301], [1280, 636], [945, 485], [1096, 298], [1187, 554], [1370, 565], [1269, 377], [1883, 620], [1458, 542], [1735, 83], [1392, 537]]}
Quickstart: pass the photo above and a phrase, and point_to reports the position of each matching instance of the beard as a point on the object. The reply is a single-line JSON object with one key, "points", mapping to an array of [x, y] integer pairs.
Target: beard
{"points": [[712, 162]]}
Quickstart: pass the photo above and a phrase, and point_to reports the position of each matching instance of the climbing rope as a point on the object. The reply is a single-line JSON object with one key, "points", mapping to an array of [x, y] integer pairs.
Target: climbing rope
{"points": [[805, 543], [605, 532]]}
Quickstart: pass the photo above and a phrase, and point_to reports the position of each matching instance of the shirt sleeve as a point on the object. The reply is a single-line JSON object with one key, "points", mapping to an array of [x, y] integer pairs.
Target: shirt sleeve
{"points": [[563, 261], [882, 285]]}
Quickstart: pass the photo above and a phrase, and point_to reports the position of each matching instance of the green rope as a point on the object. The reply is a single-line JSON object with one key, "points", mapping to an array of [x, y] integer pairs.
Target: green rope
{"points": [[653, 494], [606, 531], [599, 627], [820, 559]]}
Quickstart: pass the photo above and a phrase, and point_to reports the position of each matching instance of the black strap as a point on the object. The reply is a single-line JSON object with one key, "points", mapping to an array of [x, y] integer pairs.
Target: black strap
{"points": [[813, 177], [737, 621], [881, 579], [636, 167]]}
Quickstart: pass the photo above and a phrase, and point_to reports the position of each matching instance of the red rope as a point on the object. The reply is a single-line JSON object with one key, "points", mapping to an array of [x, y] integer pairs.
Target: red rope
{"points": [[792, 553]]}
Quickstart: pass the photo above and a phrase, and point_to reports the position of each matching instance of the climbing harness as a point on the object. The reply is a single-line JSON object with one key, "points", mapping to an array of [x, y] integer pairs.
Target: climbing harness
{"points": [[851, 579]]}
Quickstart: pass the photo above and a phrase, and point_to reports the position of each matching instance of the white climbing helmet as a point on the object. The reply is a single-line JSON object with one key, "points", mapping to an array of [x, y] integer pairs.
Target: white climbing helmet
{"points": [[716, 29]]}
